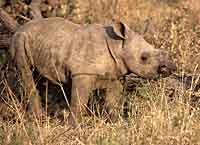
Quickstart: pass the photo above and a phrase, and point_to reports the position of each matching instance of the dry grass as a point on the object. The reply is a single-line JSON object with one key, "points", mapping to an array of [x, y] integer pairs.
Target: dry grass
{"points": [[161, 112]]}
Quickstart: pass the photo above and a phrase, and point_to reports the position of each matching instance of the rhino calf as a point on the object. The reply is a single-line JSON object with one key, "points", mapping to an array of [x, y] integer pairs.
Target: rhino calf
{"points": [[92, 56]]}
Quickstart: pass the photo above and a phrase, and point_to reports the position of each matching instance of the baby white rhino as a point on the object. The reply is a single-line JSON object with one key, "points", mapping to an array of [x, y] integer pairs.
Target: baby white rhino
{"points": [[92, 56]]}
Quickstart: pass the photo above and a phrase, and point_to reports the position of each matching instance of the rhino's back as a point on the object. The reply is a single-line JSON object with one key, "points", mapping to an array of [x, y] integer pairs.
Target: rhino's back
{"points": [[46, 40], [48, 25]]}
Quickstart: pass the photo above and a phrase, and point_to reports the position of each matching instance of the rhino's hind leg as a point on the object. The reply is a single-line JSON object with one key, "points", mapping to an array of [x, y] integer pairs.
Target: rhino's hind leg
{"points": [[81, 88], [113, 100], [23, 66]]}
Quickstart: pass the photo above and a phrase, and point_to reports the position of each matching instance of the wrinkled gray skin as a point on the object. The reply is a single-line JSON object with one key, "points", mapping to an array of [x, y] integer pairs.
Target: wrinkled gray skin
{"points": [[93, 56]]}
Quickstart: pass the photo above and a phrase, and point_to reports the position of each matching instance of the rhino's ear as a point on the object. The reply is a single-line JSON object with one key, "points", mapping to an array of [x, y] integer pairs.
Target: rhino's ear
{"points": [[120, 29]]}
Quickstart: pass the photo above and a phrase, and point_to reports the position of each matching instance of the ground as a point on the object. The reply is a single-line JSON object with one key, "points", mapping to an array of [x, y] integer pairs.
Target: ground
{"points": [[163, 112]]}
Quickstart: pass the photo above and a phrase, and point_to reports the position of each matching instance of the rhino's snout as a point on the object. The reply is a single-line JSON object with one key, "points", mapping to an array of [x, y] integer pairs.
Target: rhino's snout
{"points": [[166, 69]]}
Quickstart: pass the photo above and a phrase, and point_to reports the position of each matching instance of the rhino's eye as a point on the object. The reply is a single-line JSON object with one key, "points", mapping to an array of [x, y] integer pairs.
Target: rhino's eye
{"points": [[144, 57]]}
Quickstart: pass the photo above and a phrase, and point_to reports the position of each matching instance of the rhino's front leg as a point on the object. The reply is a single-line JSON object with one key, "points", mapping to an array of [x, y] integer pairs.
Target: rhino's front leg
{"points": [[81, 88], [113, 100]]}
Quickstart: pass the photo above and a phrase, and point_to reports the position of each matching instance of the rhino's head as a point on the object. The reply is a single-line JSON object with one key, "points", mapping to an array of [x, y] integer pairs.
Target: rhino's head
{"points": [[140, 57]]}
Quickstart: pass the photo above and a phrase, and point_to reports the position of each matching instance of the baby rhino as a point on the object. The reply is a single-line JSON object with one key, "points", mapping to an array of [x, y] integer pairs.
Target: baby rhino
{"points": [[92, 56]]}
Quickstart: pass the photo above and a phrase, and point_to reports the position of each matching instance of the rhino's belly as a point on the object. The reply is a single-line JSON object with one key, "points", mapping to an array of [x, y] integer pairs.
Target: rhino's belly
{"points": [[53, 73], [50, 67]]}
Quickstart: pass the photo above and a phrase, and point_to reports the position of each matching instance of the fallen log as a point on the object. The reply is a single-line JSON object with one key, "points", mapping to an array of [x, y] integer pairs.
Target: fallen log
{"points": [[8, 25], [11, 24], [7, 21], [5, 40]]}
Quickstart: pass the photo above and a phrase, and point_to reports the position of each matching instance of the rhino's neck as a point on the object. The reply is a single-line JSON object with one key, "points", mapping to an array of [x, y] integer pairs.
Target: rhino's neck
{"points": [[115, 50]]}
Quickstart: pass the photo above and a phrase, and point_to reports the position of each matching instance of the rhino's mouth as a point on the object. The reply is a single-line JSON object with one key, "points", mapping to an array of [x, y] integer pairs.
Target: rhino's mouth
{"points": [[149, 76], [160, 71]]}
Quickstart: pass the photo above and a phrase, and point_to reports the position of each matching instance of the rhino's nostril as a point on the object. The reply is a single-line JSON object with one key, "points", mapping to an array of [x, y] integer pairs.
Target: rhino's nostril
{"points": [[166, 69]]}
